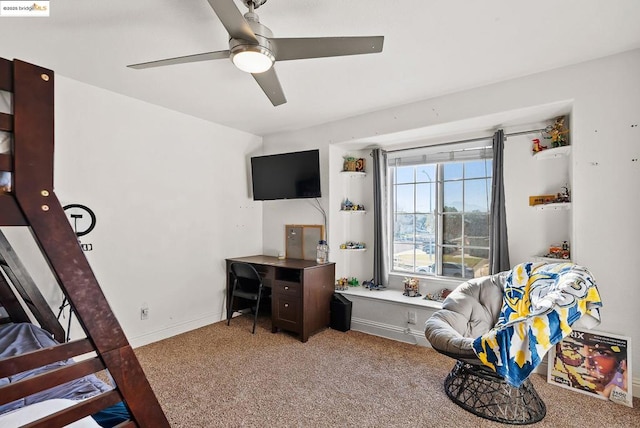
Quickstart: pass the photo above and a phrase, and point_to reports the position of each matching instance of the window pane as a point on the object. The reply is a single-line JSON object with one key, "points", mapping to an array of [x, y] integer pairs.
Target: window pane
{"points": [[403, 228], [452, 171], [453, 196], [477, 169], [476, 229], [478, 260], [452, 229], [425, 197], [404, 198], [426, 173], [404, 174], [404, 256], [476, 195]]}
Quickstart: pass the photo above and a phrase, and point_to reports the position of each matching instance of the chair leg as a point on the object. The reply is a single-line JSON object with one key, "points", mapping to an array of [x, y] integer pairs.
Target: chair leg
{"points": [[255, 316], [230, 310]]}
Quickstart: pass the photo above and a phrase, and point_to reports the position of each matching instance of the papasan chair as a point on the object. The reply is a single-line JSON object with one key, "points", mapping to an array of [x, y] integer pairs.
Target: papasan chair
{"points": [[470, 327]]}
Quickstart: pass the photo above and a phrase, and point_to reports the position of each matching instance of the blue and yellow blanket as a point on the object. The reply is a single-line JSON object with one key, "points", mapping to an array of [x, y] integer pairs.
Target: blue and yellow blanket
{"points": [[541, 302]]}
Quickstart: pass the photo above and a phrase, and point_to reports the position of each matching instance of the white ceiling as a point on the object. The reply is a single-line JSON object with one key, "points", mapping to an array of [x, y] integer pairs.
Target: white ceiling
{"points": [[431, 48]]}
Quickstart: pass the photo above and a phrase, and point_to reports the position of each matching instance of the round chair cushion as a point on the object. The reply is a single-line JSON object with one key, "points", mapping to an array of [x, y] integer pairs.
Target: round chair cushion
{"points": [[471, 310]]}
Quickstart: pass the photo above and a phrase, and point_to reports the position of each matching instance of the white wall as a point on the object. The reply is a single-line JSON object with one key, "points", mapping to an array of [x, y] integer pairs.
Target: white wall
{"points": [[171, 198], [604, 97]]}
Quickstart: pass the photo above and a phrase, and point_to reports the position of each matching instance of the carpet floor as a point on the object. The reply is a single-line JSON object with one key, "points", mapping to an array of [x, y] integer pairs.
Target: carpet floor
{"points": [[223, 376]]}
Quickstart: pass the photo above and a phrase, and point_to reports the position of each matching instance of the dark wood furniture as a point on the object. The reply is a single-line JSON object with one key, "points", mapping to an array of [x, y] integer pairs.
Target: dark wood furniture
{"points": [[30, 201], [301, 292]]}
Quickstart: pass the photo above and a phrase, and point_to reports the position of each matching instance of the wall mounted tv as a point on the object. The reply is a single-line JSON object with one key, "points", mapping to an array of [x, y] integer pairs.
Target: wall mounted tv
{"points": [[293, 175]]}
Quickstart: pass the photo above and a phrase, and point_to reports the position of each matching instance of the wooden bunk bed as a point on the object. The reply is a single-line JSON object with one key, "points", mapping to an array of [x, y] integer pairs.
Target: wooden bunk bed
{"points": [[27, 199]]}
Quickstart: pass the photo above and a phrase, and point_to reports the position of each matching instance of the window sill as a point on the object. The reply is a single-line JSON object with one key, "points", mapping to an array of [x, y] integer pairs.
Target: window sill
{"points": [[391, 295]]}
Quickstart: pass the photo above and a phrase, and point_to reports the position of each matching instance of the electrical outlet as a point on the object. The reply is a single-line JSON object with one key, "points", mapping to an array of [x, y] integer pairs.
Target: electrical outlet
{"points": [[144, 312], [411, 317]]}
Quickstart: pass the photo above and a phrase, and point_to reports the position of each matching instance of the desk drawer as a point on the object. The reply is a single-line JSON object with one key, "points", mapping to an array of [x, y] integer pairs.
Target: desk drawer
{"points": [[286, 288], [286, 313]]}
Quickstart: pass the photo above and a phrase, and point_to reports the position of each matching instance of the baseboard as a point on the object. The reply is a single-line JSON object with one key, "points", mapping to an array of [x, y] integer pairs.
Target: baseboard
{"points": [[406, 335], [174, 330]]}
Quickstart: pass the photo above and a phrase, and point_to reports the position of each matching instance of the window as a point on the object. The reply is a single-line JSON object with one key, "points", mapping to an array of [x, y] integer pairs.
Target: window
{"points": [[439, 210]]}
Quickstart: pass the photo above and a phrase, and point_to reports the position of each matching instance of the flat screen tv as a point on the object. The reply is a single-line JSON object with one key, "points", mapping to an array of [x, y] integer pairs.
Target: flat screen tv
{"points": [[293, 175]]}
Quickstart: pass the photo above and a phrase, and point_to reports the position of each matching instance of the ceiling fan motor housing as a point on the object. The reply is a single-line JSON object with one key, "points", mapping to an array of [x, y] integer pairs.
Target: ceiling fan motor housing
{"points": [[262, 33]]}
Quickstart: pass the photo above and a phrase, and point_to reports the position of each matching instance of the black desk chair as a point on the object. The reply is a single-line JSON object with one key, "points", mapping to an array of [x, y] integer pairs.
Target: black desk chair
{"points": [[247, 284]]}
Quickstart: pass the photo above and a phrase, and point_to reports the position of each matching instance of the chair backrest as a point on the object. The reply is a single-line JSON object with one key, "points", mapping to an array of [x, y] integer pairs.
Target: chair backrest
{"points": [[469, 311], [246, 277]]}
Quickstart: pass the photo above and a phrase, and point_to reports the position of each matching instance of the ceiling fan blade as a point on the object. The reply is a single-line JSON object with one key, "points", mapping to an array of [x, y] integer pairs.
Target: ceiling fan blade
{"points": [[233, 20], [319, 47], [270, 84], [182, 59]]}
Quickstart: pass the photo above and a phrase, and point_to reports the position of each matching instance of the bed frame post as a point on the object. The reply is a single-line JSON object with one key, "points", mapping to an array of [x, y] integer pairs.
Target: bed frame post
{"points": [[33, 105]]}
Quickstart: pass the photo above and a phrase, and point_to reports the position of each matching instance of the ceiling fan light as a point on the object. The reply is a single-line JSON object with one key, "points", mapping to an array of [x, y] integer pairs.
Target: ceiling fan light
{"points": [[252, 59]]}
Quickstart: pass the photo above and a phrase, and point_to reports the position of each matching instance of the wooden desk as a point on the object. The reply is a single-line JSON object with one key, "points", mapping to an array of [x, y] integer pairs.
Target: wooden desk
{"points": [[301, 292]]}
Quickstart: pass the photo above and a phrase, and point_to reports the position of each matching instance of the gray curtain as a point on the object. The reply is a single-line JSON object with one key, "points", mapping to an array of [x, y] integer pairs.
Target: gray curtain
{"points": [[380, 243], [499, 248]]}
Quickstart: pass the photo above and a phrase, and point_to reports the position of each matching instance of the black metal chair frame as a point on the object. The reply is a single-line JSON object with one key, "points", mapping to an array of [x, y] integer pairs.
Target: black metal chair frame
{"points": [[486, 394], [245, 271]]}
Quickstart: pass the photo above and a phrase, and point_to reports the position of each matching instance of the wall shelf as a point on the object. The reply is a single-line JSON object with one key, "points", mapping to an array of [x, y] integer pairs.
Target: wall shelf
{"points": [[555, 152], [550, 259], [354, 174], [557, 206], [353, 211], [353, 249]]}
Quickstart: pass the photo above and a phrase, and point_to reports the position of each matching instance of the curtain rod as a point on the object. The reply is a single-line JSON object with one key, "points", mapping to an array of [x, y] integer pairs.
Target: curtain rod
{"points": [[471, 140]]}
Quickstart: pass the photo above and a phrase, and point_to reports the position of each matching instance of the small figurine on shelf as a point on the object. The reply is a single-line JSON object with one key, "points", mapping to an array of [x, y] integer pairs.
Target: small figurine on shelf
{"points": [[439, 296], [371, 285], [559, 251], [347, 205], [353, 282], [360, 165], [558, 133], [342, 284], [564, 196], [349, 163], [537, 147], [411, 287]]}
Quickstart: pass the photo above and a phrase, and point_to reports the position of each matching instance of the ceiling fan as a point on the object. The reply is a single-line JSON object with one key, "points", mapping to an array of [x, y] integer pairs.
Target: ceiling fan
{"points": [[253, 49]]}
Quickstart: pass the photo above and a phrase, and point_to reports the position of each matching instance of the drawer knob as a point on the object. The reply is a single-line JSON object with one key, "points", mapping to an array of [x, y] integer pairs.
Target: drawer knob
{"points": [[286, 287], [286, 305]]}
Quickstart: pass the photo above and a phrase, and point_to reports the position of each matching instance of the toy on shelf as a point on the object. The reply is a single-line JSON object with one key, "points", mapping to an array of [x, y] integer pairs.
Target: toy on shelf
{"points": [[564, 196], [347, 205], [372, 286], [560, 197], [353, 164], [344, 283], [559, 251], [411, 287], [439, 296], [558, 133], [537, 147], [352, 246]]}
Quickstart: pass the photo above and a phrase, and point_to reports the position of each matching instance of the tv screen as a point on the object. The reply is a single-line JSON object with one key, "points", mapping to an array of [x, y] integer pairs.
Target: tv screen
{"points": [[293, 175]]}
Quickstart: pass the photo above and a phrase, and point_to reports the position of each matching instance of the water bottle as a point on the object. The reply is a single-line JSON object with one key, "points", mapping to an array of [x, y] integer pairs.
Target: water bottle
{"points": [[322, 253]]}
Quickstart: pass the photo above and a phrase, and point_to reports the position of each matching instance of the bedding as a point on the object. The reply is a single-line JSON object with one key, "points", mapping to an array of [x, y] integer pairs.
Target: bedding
{"points": [[540, 304], [33, 412], [18, 338]]}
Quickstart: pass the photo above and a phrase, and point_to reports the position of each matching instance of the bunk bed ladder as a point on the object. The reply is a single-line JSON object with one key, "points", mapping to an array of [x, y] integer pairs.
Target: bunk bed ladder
{"points": [[32, 202]]}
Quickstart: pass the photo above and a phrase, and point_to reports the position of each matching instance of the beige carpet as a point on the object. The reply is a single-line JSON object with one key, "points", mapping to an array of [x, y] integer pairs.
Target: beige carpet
{"points": [[220, 376]]}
